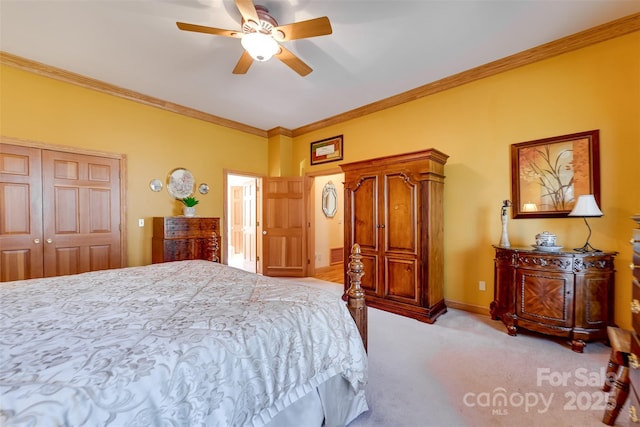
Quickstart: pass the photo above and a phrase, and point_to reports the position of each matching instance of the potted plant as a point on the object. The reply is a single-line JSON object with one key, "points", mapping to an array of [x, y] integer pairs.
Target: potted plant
{"points": [[189, 205]]}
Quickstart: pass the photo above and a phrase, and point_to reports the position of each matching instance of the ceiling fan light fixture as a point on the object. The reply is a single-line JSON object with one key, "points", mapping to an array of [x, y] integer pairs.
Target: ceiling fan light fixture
{"points": [[260, 46]]}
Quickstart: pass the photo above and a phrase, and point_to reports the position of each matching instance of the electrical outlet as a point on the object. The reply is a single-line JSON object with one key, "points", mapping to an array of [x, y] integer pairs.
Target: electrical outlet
{"points": [[140, 222], [482, 285]]}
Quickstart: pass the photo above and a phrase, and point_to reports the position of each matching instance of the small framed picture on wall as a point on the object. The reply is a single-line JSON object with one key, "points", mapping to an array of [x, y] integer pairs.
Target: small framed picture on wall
{"points": [[326, 150]]}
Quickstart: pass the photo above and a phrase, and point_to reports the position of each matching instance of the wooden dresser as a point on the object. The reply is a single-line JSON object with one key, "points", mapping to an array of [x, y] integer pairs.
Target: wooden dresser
{"points": [[634, 359], [177, 238], [567, 294], [394, 211]]}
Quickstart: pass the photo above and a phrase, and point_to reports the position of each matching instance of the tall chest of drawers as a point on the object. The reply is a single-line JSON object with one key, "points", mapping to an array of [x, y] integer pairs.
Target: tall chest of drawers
{"points": [[634, 362], [178, 238]]}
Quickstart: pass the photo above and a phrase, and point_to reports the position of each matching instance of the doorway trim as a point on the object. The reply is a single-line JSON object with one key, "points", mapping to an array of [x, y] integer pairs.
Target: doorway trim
{"points": [[311, 214]]}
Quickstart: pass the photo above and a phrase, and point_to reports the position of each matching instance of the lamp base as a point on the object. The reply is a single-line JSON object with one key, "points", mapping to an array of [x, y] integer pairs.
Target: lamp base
{"points": [[587, 248]]}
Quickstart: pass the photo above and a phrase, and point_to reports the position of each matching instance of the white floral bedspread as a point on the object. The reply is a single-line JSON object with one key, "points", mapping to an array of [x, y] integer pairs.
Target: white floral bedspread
{"points": [[184, 343]]}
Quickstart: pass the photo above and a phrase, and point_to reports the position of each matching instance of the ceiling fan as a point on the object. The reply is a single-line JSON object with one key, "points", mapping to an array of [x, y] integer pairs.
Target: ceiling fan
{"points": [[260, 36]]}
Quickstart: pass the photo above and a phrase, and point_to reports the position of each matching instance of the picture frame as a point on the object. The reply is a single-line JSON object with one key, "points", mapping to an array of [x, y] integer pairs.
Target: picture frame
{"points": [[326, 150], [548, 175]]}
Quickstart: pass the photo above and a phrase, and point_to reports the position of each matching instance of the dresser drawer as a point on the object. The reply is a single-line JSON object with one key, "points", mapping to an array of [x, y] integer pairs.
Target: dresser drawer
{"points": [[545, 262], [185, 227]]}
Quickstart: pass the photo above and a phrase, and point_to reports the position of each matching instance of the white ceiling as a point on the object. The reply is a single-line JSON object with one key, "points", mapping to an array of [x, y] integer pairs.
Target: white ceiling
{"points": [[379, 48]]}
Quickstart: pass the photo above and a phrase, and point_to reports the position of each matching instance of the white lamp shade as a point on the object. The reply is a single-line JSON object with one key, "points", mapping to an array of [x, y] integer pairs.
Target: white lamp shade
{"points": [[260, 46], [586, 206]]}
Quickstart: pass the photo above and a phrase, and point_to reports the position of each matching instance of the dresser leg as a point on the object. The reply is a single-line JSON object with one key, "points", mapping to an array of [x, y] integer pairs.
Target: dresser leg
{"points": [[578, 346]]}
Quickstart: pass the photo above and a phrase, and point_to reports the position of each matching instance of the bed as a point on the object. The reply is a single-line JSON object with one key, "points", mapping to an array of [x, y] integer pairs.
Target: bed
{"points": [[186, 343]]}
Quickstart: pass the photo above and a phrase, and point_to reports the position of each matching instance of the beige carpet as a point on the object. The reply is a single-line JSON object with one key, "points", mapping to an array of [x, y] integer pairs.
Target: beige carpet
{"points": [[464, 370]]}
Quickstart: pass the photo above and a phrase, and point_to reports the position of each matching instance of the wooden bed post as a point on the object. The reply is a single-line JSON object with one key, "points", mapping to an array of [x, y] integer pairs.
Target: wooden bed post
{"points": [[355, 294]]}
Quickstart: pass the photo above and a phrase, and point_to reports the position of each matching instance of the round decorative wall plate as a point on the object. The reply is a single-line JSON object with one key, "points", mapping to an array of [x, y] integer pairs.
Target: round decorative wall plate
{"points": [[155, 185], [203, 188], [180, 183]]}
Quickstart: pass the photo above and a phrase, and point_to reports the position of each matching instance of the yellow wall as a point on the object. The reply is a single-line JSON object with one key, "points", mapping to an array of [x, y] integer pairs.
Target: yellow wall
{"points": [[154, 141], [594, 88]]}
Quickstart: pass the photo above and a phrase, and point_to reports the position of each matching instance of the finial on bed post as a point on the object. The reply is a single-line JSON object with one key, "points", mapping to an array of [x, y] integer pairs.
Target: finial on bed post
{"points": [[355, 294]]}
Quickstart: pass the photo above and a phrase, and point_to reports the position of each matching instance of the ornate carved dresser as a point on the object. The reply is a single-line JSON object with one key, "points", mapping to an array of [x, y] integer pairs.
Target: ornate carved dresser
{"points": [[567, 294], [178, 238]]}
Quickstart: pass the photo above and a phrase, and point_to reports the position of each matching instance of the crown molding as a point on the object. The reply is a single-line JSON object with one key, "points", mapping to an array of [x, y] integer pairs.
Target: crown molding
{"points": [[100, 86], [279, 131], [610, 30]]}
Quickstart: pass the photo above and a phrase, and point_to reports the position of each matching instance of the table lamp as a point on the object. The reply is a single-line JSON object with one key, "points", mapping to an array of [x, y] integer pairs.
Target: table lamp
{"points": [[586, 206]]}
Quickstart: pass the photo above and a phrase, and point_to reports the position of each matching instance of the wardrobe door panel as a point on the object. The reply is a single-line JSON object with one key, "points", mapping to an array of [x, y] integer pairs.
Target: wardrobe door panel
{"points": [[400, 210], [369, 281], [364, 208], [401, 279]]}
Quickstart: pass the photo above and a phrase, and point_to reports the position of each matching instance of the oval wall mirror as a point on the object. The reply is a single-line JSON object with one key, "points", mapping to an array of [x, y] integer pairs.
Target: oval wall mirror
{"points": [[329, 200]]}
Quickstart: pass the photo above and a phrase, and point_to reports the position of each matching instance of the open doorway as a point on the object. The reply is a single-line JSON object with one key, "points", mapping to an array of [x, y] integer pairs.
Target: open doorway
{"points": [[327, 231], [324, 254], [242, 223]]}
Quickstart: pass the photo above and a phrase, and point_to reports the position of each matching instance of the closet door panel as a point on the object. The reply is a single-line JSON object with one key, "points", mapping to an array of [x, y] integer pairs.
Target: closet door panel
{"points": [[21, 245], [81, 196]]}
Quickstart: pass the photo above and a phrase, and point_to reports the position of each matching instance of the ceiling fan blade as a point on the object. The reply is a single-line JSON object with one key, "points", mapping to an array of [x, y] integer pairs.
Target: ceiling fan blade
{"points": [[248, 11], [208, 30], [303, 29], [293, 62], [243, 64]]}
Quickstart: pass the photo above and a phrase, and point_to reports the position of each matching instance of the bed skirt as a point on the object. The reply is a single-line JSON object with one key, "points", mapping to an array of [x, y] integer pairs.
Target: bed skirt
{"points": [[333, 403]]}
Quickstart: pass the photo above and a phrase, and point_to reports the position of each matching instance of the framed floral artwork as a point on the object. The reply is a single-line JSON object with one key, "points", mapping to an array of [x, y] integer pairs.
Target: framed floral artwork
{"points": [[548, 175]]}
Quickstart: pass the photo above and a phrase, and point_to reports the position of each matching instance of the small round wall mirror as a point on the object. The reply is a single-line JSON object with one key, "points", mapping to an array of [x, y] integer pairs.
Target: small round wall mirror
{"points": [[329, 200]]}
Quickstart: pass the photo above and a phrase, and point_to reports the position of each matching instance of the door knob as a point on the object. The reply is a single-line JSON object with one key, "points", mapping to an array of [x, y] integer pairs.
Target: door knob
{"points": [[49, 240], [36, 241], [264, 232]]}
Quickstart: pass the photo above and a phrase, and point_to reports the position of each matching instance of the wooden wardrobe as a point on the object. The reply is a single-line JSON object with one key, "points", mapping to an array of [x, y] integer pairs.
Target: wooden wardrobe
{"points": [[394, 211]]}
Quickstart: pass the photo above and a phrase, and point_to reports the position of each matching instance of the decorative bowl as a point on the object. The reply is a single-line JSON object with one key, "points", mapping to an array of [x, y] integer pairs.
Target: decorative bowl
{"points": [[545, 239]]}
